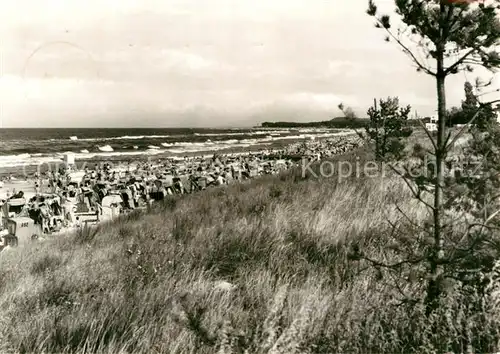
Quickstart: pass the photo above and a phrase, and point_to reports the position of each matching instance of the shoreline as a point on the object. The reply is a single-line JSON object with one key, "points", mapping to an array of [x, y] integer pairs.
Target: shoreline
{"points": [[28, 170]]}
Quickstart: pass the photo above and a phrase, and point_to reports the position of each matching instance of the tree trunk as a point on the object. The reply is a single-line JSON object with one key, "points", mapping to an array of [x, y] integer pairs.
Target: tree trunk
{"points": [[435, 259]]}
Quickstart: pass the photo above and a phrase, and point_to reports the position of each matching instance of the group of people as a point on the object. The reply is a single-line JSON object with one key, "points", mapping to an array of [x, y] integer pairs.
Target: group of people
{"points": [[62, 196]]}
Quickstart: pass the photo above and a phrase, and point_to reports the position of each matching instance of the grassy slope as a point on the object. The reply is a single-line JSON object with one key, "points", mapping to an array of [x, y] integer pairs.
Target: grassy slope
{"points": [[149, 284]]}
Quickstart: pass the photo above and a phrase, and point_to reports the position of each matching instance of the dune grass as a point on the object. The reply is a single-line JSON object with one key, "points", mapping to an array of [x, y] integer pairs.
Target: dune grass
{"points": [[259, 267]]}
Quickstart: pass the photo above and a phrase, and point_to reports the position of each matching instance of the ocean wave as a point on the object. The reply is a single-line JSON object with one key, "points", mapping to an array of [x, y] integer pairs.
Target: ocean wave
{"points": [[140, 137], [86, 156], [20, 156], [106, 148], [26, 159], [129, 137], [258, 132]]}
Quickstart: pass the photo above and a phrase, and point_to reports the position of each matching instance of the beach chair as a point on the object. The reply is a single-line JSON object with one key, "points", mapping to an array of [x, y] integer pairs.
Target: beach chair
{"points": [[202, 182], [128, 199], [191, 184], [210, 180], [16, 205], [111, 206], [185, 183], [178, 187], [168, 180], [220, 180], [158, 191], [228, 177]]}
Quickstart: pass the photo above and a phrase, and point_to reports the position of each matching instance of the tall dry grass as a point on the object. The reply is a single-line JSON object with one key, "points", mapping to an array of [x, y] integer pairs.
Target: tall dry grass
{"points": [[261, 267]]}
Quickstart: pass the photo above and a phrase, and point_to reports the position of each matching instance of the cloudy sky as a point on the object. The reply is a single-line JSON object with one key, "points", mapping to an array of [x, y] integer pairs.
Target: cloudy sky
{"points": [[171, 63]]}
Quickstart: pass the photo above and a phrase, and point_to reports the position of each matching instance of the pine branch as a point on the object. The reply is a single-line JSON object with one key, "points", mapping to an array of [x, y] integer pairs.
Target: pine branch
{"points": [[416, 193], [459, 61], [393, 265], [412, 222], [406, 50], [462, 130]]}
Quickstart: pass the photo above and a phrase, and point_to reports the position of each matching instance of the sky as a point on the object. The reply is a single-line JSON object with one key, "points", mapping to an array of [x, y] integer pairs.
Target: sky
{"points": [[198, 63]]}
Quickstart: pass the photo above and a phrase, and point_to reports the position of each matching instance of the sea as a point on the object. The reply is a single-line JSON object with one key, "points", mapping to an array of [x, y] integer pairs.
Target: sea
{"points": [[21, 147]]}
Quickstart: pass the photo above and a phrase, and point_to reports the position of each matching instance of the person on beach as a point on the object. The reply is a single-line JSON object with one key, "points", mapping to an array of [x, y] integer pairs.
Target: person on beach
{"points": [[18, 195], [44, 214], [67, 208]]}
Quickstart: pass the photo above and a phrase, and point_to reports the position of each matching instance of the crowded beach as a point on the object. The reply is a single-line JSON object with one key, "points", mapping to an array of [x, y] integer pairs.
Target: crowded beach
{"points": [[60, 200]]}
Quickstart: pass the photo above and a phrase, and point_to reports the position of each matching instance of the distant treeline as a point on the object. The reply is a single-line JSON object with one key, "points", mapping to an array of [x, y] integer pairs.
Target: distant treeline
{"points": [[339, 123]]}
